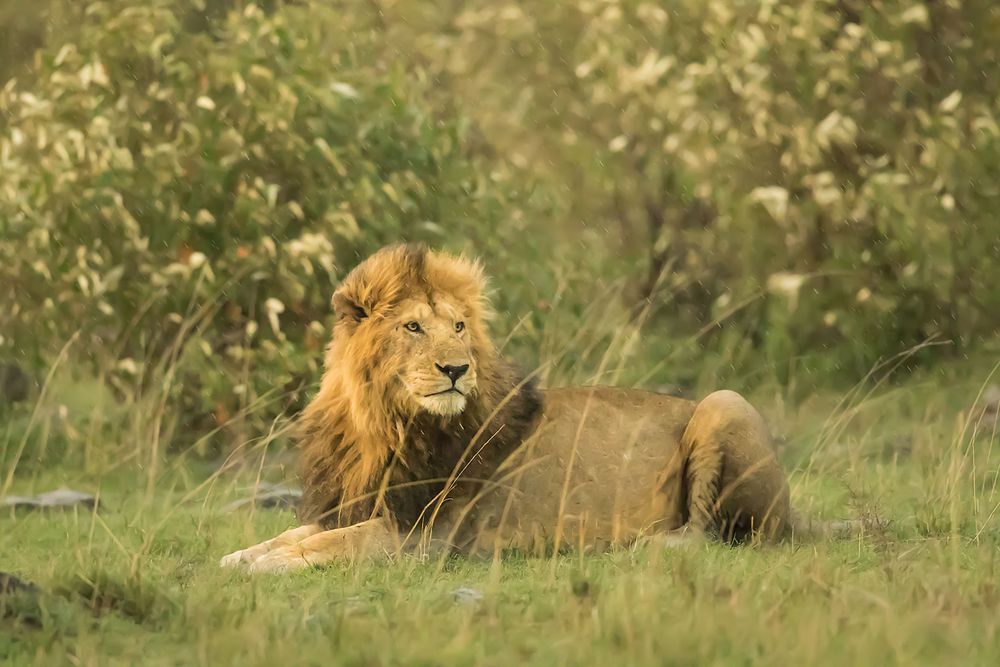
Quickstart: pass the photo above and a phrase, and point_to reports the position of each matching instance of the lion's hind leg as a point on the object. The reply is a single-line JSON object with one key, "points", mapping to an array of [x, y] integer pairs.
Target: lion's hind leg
{"points": [[287, 538], [736, 487]]}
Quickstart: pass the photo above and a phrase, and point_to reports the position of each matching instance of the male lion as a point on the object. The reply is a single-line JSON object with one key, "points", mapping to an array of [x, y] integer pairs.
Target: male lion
{"points": [[422, 435]]}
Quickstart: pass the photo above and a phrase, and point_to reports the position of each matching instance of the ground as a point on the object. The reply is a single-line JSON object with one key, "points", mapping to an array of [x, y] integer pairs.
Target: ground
{"points": [[138, 581]]}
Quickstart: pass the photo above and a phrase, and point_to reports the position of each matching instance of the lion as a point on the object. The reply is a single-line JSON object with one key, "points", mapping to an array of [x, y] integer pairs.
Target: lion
{"points": [[422, 436]]}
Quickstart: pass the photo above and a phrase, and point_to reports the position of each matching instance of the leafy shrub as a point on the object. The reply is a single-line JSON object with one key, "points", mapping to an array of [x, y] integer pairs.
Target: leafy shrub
{"points": [[805, 185], [186, 198], [820, 176]]}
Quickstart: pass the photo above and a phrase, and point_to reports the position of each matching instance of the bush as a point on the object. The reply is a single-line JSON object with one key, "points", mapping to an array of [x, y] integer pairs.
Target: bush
{"points": [[186, 198], [783, 186], [820, 176]]}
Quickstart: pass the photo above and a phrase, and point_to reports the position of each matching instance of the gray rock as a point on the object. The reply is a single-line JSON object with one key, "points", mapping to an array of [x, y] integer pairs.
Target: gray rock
{"points": [[57, 498]]}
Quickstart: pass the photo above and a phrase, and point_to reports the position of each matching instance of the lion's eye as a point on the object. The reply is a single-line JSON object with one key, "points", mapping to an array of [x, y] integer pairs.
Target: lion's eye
{"points": [[413, 326], [459, 326]]}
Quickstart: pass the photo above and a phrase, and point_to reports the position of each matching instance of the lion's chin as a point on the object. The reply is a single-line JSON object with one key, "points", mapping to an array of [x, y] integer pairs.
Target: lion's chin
{"points": [[445, 405]]}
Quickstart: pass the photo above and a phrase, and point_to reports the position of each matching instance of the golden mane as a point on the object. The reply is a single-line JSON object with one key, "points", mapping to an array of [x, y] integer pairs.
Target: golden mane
{"points": [[363, 455]]}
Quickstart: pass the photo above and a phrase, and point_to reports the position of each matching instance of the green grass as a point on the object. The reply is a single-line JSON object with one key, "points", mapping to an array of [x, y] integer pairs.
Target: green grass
{"points": [[137, 582]]}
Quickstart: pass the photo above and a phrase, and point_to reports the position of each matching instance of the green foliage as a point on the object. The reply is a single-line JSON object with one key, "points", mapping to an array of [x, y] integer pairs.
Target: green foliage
{"points": [[765, 187], [821, 175], [186, 199]]}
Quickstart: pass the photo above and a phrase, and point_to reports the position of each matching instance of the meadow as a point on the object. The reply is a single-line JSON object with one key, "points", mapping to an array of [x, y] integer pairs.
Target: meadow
{"points": [[137, 582], [792, 199]]}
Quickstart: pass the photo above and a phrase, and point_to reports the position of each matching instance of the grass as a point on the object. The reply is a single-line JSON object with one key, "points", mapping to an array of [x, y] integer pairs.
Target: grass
{"points": [[137, 582]]}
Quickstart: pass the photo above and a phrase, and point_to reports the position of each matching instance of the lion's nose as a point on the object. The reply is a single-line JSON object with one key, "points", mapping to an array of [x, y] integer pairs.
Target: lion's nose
{"points": [[452, 371]]}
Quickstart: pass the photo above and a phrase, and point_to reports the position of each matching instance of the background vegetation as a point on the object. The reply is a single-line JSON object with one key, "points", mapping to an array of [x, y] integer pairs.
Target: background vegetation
{"points": [[795, 190], [793, 199]]}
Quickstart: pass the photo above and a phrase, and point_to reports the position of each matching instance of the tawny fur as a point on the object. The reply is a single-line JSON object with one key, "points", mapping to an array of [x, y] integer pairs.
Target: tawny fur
{"points": [[390, 460]]}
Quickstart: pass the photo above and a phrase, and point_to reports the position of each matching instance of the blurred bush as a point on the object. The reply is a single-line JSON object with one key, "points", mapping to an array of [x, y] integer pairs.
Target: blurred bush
{"points": [[819, 177], [186, 195], [783, 185]]}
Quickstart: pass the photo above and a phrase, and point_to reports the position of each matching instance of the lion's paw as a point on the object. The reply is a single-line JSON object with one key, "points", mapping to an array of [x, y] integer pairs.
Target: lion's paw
{"points": [[246, 556], [279, 561], [243, 556], [235, 559]]}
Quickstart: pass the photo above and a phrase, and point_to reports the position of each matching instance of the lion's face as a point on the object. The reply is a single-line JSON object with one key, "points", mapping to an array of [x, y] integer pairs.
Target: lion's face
{"points": [[438, 366], [411, 331]]}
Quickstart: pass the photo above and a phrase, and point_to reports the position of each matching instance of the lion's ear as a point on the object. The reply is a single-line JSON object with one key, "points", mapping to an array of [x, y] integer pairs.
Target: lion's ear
{"points": [[347, 307]]}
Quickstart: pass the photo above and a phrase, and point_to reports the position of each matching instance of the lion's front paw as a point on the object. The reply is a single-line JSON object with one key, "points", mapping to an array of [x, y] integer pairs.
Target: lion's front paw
{"points": [[285, 559], [235, 559], [244, 556]]}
